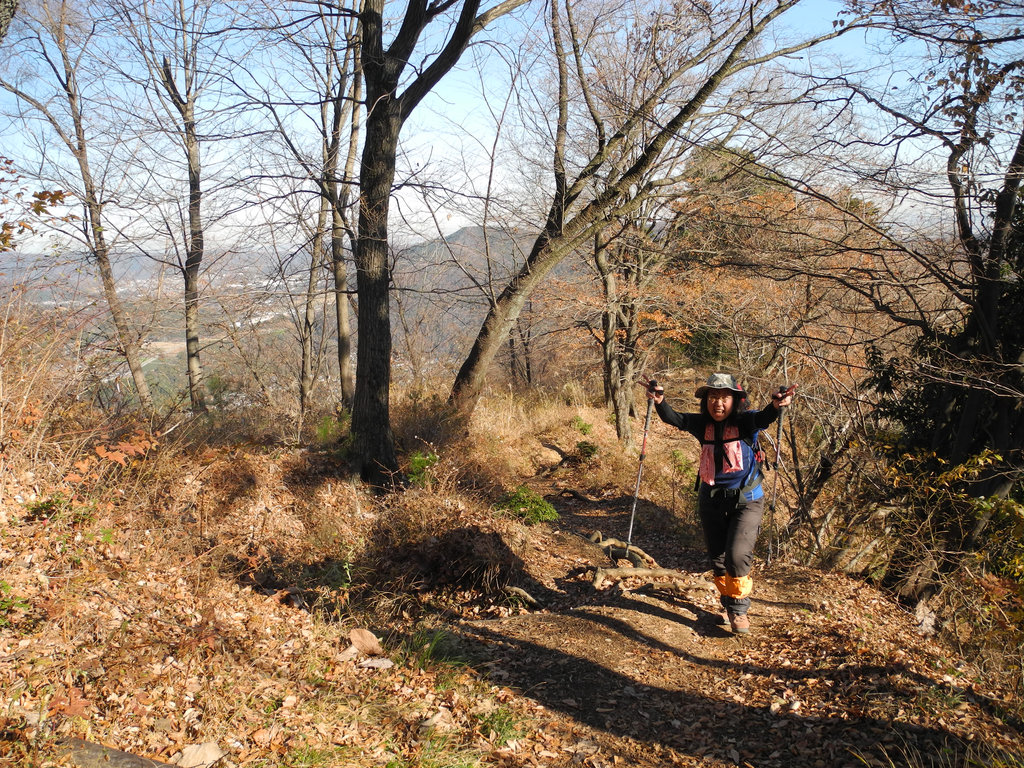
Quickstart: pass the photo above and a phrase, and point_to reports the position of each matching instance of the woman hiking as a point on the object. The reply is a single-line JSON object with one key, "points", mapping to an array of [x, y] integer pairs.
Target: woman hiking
{"points": [[730, 501]]}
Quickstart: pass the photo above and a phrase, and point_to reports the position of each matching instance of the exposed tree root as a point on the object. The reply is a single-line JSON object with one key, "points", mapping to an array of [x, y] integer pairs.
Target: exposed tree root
{"points": [[569, 492], [618, 550], [523, 595], [678, 581], [644, 567]]}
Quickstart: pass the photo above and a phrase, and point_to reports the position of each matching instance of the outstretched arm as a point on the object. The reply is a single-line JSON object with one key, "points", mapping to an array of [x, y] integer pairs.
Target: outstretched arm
{"points": [[683, 421]]}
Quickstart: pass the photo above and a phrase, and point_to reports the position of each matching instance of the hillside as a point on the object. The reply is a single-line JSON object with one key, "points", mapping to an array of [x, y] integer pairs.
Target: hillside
{"points": [[215, 596]]}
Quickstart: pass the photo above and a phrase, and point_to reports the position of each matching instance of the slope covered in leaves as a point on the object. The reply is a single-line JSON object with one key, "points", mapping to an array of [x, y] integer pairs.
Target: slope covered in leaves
{"points": [[211, 607]]}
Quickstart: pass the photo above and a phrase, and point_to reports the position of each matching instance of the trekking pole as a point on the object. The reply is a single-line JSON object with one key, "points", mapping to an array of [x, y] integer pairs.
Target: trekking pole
{"points": [[784, 391], [640, 469]]}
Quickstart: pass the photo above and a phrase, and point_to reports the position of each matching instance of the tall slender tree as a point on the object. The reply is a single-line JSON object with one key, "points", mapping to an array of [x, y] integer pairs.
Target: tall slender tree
{"points": [[59, 40], [183, 57], [317, 86], [392, 94]]}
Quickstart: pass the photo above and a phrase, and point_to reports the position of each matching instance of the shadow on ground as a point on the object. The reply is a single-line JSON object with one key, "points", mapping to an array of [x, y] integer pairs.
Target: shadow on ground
{"points": [[657, 681], [627, 684]]}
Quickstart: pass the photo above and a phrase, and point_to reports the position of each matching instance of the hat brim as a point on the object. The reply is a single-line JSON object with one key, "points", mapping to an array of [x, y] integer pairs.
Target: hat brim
{"points": [[701, 391]]}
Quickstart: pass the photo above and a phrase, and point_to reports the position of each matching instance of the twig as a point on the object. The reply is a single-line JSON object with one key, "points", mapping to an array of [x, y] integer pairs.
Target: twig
{"points": [[523, 595]]}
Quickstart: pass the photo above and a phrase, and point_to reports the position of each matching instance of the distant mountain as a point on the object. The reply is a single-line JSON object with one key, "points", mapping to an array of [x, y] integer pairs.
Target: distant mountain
{"points": [[440, 298], [442, 287], [465, 256]]}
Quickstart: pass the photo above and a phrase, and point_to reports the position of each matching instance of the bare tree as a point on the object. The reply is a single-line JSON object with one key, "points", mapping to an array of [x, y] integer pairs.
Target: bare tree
{"points": [[702, 53], [56, 40], [184, 55], [391, 97], [318, 90], [627, 261]]}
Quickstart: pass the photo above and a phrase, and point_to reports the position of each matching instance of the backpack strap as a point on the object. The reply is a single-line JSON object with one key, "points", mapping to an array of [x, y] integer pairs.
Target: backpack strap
{"points": [[714, 439], [755, 476]]}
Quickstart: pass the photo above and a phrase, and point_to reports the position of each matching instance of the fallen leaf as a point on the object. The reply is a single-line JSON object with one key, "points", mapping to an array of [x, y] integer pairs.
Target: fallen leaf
{"points": [[366, 641], [441, 720], [73, 705], [199, 755], [348, 654], [377, 664]]}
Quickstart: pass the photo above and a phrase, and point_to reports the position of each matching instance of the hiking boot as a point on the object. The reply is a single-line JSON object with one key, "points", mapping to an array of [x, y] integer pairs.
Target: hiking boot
{"points": [[740, 623]]}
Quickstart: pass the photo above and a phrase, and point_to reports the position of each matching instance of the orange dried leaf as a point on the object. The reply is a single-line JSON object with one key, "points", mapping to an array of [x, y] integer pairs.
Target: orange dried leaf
{"points": [[115, 456], [74, 704]]}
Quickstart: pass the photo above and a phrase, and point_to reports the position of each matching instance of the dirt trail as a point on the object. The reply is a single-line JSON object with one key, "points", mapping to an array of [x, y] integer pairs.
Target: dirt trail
{"points": [[832, 674]]}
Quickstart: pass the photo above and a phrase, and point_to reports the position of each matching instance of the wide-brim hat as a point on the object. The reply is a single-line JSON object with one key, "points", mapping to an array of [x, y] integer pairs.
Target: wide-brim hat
{"points": [[721, 381]]}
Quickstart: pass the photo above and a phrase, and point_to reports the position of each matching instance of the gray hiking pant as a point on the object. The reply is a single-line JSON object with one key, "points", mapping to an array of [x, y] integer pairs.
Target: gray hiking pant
{"points": [[731, 525]]}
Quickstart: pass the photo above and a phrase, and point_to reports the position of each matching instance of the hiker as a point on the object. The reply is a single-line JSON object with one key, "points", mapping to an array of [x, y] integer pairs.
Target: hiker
{"points": [[730, 500]]}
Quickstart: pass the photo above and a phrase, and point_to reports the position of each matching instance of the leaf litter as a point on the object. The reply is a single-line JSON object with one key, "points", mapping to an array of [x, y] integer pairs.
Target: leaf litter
{"points": [[218, 623]]}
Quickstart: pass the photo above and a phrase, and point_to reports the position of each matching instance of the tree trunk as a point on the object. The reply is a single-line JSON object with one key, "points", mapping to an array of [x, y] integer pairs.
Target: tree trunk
{"points": [[193, 264], [127, 338], [78, 146], [184, 103], [810, 485], [307, 320], [524, 331], [373, 442], [346, 376], [617, 391], [500, 320], [196, 391], [338, 191], [7, 9]]}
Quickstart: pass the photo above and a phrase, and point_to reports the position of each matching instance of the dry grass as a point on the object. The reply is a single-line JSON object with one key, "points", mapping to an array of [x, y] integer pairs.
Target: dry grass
{"points": [[212, 601]]}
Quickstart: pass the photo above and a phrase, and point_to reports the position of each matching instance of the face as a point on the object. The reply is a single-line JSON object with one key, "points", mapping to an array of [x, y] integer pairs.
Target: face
{"points": [[719, 404]]}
